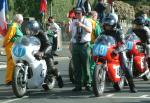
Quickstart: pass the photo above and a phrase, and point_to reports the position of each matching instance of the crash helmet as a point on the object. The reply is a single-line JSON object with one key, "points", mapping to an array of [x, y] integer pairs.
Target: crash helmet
{"points": [[139, 21], [32, 27], [113, 15], [111, 21]]}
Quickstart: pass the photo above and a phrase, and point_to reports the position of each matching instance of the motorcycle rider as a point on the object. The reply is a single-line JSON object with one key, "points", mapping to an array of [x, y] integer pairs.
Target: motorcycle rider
{"points": [[115, 16], [33, 28], [143, 32], [109, 25]]}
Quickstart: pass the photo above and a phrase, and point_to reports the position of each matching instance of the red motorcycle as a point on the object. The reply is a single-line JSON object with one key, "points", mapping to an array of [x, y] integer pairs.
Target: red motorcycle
{"points": [[107, 65], [137, 56]]}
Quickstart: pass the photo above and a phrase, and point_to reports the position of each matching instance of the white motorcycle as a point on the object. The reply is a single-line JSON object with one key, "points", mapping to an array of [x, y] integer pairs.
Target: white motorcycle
{"points": [[29, 72]]}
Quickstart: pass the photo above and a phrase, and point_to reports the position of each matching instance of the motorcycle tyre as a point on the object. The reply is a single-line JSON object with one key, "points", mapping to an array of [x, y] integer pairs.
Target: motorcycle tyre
{"points": [[99, 85], [18, 91], [49, 84], [146, 77], [119, 85]]}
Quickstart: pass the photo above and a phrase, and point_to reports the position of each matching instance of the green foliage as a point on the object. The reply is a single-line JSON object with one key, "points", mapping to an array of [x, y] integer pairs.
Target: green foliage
{"points": [[30, 8]]}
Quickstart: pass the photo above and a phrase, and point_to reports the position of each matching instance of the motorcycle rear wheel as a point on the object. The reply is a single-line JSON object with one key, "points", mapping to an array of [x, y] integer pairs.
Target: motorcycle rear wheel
{"points": [[99, 77], [19, 87], [119, 85], [50, 83], [146, 77]]}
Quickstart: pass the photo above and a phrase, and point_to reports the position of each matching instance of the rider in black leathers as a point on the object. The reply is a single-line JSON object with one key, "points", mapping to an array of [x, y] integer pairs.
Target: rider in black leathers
{"points": [[109, 26], [33, 28], [143, 32]]}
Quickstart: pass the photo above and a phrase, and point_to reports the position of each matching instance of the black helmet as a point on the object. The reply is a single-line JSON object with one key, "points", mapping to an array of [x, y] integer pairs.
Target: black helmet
{"points": [[109, 21], [33, 26], [139, 20]]}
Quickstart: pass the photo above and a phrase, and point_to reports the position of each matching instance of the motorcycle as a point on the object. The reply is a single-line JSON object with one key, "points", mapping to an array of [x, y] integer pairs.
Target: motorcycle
{"points": [[29, 73], [107, 65], [137, 56]]}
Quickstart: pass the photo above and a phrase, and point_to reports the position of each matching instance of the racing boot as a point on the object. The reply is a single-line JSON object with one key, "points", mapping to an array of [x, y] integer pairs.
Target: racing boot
{"points": [[58, 77], [132, 86], [129, 78]]}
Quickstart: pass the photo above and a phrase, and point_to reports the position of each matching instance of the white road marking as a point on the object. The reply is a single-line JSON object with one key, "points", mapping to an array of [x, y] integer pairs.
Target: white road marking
{"points": [[2, 66], [143, 96], [61, 58], [109, 95], [125, 97], [12, 100]]}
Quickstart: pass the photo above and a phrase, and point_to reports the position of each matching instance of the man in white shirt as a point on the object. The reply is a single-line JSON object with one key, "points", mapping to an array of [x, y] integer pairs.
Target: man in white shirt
{"points": [[80, 30]]}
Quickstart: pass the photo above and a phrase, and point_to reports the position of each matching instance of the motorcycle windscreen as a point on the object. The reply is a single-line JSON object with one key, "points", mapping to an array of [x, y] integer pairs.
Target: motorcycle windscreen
{"points": [[19, 47], [130, 41], [101, 45]]}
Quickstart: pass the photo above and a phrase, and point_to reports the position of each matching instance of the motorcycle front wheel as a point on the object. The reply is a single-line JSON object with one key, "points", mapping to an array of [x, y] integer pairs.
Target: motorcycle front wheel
{"points": [[18, 86], [99, 77]]}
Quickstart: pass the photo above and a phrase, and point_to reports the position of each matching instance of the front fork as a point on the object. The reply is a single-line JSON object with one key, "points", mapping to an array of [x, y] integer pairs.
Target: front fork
{"points": [[25, 74], [131, 65], [25, 70]]}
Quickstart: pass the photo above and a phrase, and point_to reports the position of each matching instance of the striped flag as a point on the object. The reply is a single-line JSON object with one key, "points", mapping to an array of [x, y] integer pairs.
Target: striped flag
{"points": [[79, 3], [3, 23], [43, 6]]}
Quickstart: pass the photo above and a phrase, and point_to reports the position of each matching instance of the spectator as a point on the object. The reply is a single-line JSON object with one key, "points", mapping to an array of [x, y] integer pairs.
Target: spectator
{"points": [[71, 14], [80, 30], [52, 26], [12, 35], [96, 30], [100, 8]]}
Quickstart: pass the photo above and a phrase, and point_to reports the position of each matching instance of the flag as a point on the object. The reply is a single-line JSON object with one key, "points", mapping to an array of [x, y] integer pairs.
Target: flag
{"points": [[110, 2], [79, 3], [43, 6], [3, 23]]}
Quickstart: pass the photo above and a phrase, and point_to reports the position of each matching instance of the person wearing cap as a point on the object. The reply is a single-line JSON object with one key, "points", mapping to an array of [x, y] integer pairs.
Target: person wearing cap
{"points": [[100, 8], [80, 29], [54, 29], [13, 34]]}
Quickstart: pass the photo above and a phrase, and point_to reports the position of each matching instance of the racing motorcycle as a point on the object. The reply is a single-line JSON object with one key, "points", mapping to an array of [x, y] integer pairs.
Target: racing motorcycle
{"points": [[137, 56], [29, 73], [107, 65]]}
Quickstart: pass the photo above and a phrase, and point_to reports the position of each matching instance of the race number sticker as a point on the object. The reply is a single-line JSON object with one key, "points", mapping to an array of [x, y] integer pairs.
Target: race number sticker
{"points": [[116, 68], [142, 62], [19, 51]]}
